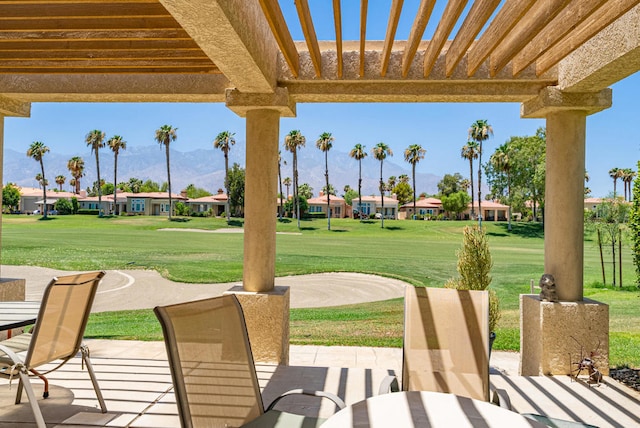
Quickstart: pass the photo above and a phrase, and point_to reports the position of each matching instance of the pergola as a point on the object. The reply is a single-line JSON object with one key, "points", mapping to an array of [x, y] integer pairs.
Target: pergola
{"points": [[556, 57]]}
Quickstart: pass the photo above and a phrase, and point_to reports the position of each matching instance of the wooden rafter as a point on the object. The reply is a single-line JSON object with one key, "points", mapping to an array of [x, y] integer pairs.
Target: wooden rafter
{"points": [[309, 32], [337, 18], [280, 30], [450, 16], [84, 9], [415, 36], [363, 33], [392, 26], [561, 25], [585, 31], [507, 18], [476, 19], [540, 14]]}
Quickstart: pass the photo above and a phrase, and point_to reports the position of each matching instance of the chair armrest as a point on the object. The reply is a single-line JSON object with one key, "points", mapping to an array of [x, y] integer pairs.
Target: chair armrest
{"points": [[338, 402], [499, 397], [389, 384]]}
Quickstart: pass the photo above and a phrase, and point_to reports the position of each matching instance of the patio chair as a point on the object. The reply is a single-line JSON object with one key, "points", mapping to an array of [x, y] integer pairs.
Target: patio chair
{"points": [[57, 335], [212, 368], [446, 343]]}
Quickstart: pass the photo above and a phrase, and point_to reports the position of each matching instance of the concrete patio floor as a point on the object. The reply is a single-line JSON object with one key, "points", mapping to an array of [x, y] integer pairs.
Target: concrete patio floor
{"points": [[136, 382]]}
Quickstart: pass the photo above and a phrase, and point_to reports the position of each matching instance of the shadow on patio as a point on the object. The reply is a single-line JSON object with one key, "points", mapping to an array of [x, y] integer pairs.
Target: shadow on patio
{"points": [[136, 382]]}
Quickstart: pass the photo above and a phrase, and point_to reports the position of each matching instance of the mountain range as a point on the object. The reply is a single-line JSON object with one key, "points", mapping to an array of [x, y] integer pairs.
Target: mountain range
{"points": [[205, 168]]}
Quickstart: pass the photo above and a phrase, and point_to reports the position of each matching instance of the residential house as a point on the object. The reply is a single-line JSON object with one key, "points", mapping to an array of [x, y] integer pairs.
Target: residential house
{"points": [[215, 204], [430, 207], [373, 204], [491, 211], [337, 206], [151, 203], [31, 199], [91, 203]]}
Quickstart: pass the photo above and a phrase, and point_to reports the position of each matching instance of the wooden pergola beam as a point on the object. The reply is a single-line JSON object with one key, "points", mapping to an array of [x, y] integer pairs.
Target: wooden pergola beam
{"points": [[415, 36], [476, 19], [540, 14], [392, 26], [450, 16], [280, 30], [364, 4], [507, 18], [569, 18], [600, 19], [302, 6], [337, 19]]}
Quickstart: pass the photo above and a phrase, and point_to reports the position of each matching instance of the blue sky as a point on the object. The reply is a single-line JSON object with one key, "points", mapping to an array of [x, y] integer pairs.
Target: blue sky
{"points": [[440, 128]]}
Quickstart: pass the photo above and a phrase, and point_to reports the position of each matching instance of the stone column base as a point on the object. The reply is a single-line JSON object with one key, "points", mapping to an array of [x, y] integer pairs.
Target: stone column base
{"points": [[12, 289], [267, 317], [555, 335]]}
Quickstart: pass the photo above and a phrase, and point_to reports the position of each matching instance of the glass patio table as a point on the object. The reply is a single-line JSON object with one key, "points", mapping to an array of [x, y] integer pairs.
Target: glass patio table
{"points": [[426, 409], [18, 314]]}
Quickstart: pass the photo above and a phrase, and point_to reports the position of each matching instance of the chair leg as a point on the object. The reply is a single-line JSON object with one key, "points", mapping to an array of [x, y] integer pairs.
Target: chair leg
{"points": [[45, 394], [37, 413], [85, 357], [19, 391]]}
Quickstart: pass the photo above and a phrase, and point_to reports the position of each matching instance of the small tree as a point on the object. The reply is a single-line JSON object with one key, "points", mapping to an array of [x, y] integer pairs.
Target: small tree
{"points": [[456, 202], [474, 268], [609, 219], [635, 226], [10, 196], [63, 206]]}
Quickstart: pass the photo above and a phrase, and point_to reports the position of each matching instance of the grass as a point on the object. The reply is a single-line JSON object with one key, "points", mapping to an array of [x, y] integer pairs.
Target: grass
{"points": [[419, 252]]}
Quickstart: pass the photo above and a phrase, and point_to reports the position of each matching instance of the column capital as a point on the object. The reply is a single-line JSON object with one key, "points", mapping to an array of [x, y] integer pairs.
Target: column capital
{"points": [[13, 107], [240, 103], [551, 100]]}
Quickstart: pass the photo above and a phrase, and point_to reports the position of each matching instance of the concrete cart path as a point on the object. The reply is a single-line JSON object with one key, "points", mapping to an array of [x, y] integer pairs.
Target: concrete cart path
{"points": [[144, 289]]}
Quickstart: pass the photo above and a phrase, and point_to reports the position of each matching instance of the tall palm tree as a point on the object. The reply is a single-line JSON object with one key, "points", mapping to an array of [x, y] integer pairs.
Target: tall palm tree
{"points": [[75, 165], [95, 140], [380, 152], [470, 152], [324, 143], [287, 183], [404, 178], [36, 151], [391, 183], [292, 142], [224, 141], [413, 154], [500, 161], [164, 136], [60, 180], [615, 173], [629, 175], [116, 143], [358, 153], [480, 131]]}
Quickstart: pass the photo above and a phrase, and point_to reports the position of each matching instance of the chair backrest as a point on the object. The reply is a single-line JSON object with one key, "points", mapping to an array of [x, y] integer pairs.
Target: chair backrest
{"points": [[446, 341], [212, 367], [64, 311]]}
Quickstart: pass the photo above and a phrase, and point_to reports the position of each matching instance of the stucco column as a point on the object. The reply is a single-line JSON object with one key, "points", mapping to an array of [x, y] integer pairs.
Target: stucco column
{"points": [[263, 128], [564, 202]]}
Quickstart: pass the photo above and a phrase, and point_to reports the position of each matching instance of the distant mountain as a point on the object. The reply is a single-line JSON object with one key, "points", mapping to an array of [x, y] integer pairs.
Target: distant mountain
{"points": [[205, 168]]}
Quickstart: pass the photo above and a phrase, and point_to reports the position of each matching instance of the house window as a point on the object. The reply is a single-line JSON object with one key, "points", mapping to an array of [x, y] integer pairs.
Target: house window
{"points": [[137, 205]]}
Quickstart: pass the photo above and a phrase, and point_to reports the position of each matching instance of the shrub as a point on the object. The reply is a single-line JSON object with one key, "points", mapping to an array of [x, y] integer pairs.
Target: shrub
{"points": [[63, 206], [86, 211]]}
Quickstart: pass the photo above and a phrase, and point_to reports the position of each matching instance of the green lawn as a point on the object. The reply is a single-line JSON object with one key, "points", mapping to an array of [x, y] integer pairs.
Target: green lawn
{"points": [[419, 252]]}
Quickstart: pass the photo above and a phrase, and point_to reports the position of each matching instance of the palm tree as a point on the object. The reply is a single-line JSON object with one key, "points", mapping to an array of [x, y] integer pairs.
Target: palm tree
{"points": [[358, 153], [470, 152], [292, 142], [500, 161], [75, 165], [391, 183], [380, 152], [36, 151], [413, 154], [95, 140], [480, 131], [324, 143], [60, 180], [615, 173], [224, 141], [287, 183], [164, 136], [116, 143], [627, 178], [404, 178]]}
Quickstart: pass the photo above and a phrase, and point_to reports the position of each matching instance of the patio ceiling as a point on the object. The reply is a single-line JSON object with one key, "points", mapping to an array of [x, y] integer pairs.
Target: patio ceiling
{"points": [[195, 50]]}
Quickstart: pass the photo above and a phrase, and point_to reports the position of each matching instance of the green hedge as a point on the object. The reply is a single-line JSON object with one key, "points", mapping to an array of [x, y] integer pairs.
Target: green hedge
{"points": [[86, 211], [315, 215]]}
